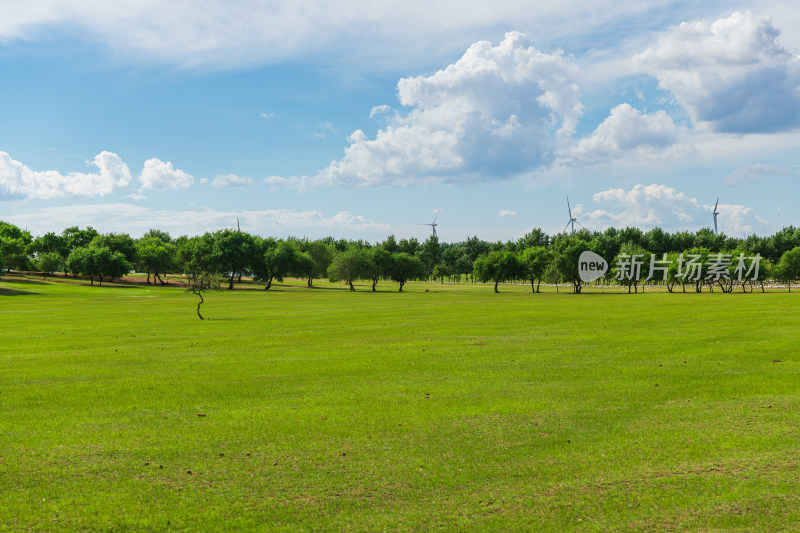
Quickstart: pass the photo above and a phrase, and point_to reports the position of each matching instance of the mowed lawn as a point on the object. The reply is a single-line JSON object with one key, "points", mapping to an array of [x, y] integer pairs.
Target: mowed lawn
{"points": [[445, 407]]}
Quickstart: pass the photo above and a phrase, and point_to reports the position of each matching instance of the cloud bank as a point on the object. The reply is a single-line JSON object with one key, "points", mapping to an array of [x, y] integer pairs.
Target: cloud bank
{"points": [[161, 175], [18, 181], [497, 111], [648, 206], [732, 75]]}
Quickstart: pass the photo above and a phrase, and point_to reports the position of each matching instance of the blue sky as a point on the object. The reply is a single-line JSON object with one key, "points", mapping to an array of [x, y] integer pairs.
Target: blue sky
{"points": [[363, 119]]}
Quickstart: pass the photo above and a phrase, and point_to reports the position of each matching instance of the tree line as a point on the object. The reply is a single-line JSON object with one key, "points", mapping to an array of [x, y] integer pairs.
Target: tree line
{"points": [[534, 258]]}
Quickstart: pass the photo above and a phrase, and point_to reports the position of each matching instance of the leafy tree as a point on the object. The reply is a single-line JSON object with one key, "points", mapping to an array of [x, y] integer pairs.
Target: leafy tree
{"points": [[788, 268], [430, 252], [117, 242], [199, 281], [49, 243], [321, 255], [474, 248], [195, 254], [566, 254], [155, 255], [535, 237], [410, 246], [692, 267], [553, 275], [378, 266], [533, 262], [657, 241], [390, 244], [233, 251], [497, 266], [441, 271], [97, 262], [405, 267], [280, 259], [631, 266], [350, 265], [77, 237], [13, 254], [49, 263]]}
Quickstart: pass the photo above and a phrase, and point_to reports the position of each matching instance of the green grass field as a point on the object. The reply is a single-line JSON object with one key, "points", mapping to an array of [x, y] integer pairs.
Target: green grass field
{"points": [[454, 409]]}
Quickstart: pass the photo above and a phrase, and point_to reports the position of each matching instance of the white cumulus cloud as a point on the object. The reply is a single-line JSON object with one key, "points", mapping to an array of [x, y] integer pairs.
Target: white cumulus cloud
{"points": [[497, 111], [507, 213], [19, 181], [158, 174], [732, 75], [627, 132], [653, 205]]}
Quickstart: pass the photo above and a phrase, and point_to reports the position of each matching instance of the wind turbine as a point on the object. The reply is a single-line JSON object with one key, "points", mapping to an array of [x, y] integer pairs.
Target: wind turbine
{"points": [[572, 219], [715, 213], [434, 224]]}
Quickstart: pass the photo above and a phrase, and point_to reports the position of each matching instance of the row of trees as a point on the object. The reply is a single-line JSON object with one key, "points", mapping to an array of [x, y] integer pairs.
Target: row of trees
{"points": [[536, 257]]}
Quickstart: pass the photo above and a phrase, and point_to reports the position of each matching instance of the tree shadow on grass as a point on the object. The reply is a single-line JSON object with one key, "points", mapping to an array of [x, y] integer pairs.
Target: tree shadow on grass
{"points": [[25, 281], [14, 292]]}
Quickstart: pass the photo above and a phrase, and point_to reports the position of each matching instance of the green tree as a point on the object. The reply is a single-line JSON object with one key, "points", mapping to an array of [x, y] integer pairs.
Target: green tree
{"points": [[441, 271], [631, 266], [321, 255], [49, 243], [13, 255], [405, 267], [233, 252], [788, 268], [534, 262], [49, 263], [378, 266], [279, 260], [156, 256], [497, 266], [117, 242], [97, 262], [566, 253], [350, 265], [693, 266], [199, 281], [430, 252]]}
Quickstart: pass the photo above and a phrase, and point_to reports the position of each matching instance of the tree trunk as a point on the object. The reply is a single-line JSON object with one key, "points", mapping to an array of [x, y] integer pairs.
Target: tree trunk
{"points": [[532, 287], [309, 280], [269, 284], [374, 282], [401, 285], [537, 285], [198, 293], [230, 284], [148, 275], [350, 282], [495, 286]]}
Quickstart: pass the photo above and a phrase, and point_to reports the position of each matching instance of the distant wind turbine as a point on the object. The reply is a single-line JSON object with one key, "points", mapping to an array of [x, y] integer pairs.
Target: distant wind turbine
{"points": [[572, 219], [433, 224], [715, 213]]}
